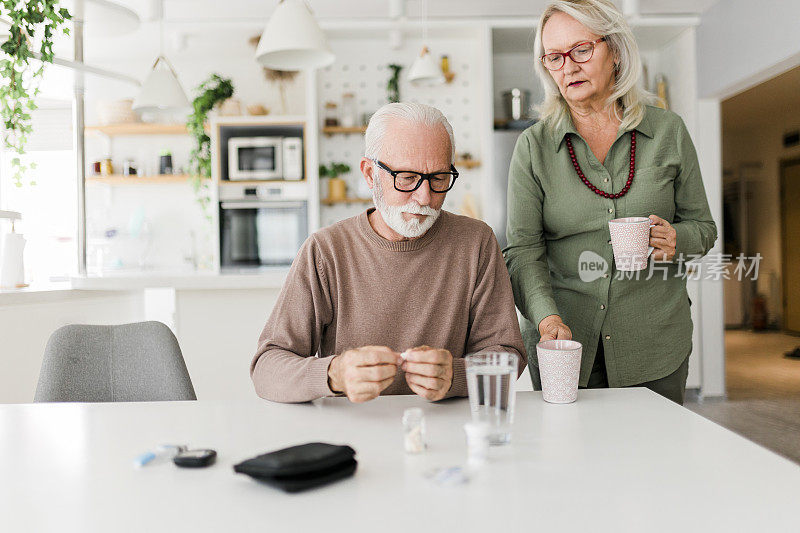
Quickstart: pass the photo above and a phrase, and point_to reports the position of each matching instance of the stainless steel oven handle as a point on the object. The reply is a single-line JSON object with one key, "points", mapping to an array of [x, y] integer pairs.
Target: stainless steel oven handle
{"points": [[257, 205]]}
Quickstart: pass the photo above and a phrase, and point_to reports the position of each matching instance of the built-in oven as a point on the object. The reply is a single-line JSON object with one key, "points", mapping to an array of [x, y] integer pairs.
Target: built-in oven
{"points": [[261, 226]]}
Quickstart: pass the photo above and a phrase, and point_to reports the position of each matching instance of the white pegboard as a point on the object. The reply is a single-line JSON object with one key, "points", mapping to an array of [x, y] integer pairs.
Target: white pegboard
{"points": [[361, 67]]}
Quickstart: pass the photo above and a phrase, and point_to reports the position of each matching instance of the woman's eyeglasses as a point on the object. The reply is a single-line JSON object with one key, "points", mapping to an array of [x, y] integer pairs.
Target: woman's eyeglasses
{"points": [[580, 53]]}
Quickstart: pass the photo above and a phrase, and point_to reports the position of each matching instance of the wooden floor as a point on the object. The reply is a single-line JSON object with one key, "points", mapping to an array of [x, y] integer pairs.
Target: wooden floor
{"points": [[756, 368], [763, 391]]}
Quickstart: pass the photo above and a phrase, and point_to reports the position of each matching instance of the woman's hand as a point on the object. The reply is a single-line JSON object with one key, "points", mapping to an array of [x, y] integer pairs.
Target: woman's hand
{"points": [[663, 239], [552, 328]]}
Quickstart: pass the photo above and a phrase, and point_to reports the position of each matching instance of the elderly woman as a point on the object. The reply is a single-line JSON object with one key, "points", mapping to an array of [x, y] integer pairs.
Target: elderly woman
{"points": [[600, 152]]}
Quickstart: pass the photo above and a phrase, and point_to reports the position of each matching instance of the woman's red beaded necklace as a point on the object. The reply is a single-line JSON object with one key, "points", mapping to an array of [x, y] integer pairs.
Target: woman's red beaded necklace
{"points": [[594, 189]]}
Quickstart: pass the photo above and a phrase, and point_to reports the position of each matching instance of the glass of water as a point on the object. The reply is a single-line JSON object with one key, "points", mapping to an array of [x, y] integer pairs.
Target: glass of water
{"points": [[490, 382]]}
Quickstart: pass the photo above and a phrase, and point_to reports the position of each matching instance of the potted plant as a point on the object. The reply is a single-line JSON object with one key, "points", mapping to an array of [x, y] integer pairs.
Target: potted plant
{"points": [[393, 84], [337, 188], [165, 162], [20, 85], [212, 92]]}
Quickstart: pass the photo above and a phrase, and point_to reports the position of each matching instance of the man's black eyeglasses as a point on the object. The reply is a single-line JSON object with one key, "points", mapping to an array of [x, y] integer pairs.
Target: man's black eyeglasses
{"points": [[409, 180]]}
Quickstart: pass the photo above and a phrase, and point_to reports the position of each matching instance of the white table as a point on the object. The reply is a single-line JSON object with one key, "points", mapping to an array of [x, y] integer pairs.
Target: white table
{"points": [[617, 460]]}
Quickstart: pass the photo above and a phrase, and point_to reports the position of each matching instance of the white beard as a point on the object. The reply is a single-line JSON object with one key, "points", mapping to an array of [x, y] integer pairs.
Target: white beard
{"points": [[393, 214]]}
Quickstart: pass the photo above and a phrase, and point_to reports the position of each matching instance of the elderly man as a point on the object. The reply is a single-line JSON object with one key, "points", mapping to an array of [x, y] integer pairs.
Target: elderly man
{"points": [[405, 276]]}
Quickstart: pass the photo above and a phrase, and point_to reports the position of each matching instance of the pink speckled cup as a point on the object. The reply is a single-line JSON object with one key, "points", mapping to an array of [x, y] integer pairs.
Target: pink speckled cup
{"points": [[630, 240], [559, 370]]}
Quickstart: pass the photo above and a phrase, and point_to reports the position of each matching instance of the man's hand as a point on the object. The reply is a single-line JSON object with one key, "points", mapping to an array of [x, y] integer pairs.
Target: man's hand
{"points": [[429, 372], [553, 328], [362, 374]]}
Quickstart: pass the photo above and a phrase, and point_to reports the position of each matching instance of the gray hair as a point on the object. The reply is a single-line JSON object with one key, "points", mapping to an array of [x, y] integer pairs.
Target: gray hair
{"points": [[410, 112], [602, 18]]}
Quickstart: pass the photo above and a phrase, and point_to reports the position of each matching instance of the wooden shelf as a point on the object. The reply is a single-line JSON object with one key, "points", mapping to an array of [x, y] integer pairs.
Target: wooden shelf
{"points": [[118, 179], [467, 163], [331, 130], [139, 128], [326, 201]]}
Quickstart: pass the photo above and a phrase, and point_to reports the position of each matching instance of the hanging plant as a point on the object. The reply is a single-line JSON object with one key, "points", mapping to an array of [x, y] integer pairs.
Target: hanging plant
{"points": [[393, 85], [281, 77], [213, 91], [20, 79]]}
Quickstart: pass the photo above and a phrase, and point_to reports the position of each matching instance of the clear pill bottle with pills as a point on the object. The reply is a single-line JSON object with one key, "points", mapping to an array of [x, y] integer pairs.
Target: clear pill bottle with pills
{"points": [[414, 430]]}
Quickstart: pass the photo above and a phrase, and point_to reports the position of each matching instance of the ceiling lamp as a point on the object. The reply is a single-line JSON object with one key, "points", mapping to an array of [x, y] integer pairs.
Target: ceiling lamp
{"points": [[104, 19], [161, 91], [292, 39], [424, 71]]}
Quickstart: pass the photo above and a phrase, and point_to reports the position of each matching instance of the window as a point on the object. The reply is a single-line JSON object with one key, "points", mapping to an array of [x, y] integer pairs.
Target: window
{"points": [[48, 207]]}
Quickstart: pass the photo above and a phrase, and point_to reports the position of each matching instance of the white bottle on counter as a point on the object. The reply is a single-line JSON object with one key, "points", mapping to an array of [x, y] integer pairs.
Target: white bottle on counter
{"points": [[12, 267]]}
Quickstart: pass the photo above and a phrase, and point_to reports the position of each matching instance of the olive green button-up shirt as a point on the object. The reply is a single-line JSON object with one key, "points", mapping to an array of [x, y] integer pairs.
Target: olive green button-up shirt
{"points": [[559, 251]]}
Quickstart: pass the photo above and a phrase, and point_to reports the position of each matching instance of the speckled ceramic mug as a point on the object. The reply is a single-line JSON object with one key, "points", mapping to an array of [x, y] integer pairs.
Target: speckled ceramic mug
{"points": [[630, 239], [559, 369]]}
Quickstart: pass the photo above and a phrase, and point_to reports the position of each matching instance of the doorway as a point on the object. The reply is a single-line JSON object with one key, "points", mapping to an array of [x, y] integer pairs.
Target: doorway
{"points": [[790, 223], [761, 216]]}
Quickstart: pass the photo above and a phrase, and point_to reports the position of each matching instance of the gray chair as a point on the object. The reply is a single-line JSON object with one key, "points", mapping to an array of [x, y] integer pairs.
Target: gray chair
{"points": [[127, 363]]}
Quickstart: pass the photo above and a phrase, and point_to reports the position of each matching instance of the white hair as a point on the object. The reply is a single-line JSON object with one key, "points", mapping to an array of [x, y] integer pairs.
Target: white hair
{"points": [[602, 18], [410, 112]]}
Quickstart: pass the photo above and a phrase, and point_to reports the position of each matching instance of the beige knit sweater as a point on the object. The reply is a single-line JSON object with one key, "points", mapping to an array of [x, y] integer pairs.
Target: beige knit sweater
{"points": [[349, 287]]}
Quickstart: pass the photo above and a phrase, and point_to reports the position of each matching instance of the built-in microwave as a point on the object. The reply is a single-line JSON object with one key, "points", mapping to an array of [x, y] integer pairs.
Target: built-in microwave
{"points": [[265, 158]]}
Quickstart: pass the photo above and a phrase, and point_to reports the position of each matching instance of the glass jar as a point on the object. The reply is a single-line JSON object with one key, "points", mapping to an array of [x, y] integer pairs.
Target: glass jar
{"points": [[129, 168], [331, 115], [106, 167]]}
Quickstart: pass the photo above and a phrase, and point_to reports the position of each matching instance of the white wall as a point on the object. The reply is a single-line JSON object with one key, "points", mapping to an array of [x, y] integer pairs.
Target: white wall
{"points": [[711, 310], [28, 320], [677, 61], [361, 68], [741, 43]]}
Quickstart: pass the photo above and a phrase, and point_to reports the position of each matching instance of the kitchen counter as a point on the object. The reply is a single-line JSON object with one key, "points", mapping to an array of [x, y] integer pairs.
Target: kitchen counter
{"points": [[262, 278], [216, 317]]}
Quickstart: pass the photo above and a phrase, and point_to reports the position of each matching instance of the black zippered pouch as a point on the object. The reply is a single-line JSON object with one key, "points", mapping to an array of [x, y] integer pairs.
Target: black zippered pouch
{"points": [[301, 467]]}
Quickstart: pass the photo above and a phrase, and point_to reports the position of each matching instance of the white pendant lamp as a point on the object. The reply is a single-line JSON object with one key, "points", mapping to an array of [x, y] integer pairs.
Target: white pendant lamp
{"points": [[292, 39], [161, 91], [105, 18], [424, 71]]}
